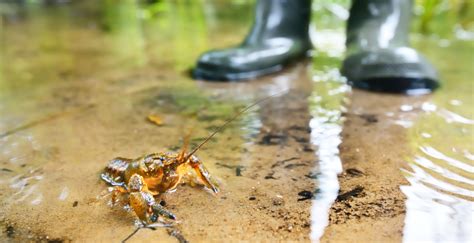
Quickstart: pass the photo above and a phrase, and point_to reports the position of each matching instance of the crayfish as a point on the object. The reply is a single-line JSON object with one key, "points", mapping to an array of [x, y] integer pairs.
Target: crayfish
{"points": [[143, 179], [146, 177]]}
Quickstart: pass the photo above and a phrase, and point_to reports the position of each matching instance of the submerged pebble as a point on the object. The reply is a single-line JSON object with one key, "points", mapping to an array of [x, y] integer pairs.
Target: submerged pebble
{"points": [[305, 195]]}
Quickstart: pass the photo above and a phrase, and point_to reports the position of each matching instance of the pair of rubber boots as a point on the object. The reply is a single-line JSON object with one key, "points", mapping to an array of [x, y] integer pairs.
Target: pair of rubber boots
{"points": [[378, 54]]}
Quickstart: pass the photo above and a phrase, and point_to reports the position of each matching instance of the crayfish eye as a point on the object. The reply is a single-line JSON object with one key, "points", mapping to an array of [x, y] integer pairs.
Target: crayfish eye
{"points": [[194, 159], [156, 164]]}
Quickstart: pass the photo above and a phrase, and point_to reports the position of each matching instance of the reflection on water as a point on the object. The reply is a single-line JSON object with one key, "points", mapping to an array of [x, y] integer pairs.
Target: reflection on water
{"points": [[21, 171], [64, 193], [440, 197], [450, 117], [327, 105]]}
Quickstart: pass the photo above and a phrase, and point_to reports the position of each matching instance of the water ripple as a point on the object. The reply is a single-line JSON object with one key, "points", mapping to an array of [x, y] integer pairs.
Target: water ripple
{"points": [[434, 216], [432, 152], [440, 197]]}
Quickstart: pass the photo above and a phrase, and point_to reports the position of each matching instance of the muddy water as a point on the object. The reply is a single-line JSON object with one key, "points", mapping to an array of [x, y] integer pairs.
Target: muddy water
{"points": [[318, 162]]}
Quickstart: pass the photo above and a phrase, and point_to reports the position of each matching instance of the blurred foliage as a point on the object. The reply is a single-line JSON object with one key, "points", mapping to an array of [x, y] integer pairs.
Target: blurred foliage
{"points": [[440, 17], [435, 15]]}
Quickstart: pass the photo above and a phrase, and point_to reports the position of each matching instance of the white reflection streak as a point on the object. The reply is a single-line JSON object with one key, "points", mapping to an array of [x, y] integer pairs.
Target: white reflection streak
{"points": [[325, 134], [389, 27], [326, 137], [433, 216], [450, 117], [422, 161], [432, 152], [424, 177], [64, 193]]}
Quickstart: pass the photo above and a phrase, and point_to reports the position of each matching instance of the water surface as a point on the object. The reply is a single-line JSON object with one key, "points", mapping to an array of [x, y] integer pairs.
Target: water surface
{"points": [[78, 80]]}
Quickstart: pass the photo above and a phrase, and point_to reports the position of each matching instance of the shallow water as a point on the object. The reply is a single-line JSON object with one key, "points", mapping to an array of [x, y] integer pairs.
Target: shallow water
{"points": [[440, 195], [77, 83]]}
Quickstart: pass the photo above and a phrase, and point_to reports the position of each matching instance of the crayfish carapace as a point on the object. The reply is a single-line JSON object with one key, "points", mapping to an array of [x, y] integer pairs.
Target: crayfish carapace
{"points": [[143, 179]]}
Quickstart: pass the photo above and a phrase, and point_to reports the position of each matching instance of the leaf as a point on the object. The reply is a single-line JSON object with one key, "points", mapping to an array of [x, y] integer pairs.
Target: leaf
{"points": [[155, 119]]}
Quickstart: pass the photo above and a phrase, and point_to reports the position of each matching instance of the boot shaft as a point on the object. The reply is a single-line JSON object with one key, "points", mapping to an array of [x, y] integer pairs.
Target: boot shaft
{"points": [[375, 24], [280, 18]]}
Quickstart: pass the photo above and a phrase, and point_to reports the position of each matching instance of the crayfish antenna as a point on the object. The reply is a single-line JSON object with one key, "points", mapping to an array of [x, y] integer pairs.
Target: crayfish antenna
{"points": [[229, 121], [182, 155], [130, 235]]}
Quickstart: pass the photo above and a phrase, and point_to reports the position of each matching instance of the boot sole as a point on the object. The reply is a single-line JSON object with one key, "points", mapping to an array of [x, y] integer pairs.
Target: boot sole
{"points": [[207, 75], [402, 71], [202, 74], [409, 86]]}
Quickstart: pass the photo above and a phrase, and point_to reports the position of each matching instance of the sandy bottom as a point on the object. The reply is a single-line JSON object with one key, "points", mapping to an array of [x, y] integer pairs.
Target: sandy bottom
{"points": [[267, 177]]}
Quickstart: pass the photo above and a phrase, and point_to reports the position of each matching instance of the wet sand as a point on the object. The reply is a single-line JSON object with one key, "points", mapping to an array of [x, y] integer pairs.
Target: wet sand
{"points": [[370, 203], [258, 202]]}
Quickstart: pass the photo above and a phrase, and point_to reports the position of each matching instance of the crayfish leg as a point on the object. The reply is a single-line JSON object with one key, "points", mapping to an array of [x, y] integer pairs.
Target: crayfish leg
{"points": [[110, 180], [160, 210], [139, 204], [118, 190]]}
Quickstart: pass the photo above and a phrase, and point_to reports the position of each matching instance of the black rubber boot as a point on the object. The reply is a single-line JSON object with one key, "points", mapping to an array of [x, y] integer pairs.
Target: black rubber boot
{"points": [[379, 56], [279, 36]]}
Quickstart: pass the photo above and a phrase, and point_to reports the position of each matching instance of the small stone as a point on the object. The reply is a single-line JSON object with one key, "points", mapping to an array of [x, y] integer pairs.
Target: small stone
{"points": [[355, 172], [277, 201], [305, 195], [10, 231], [290, 227]]}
